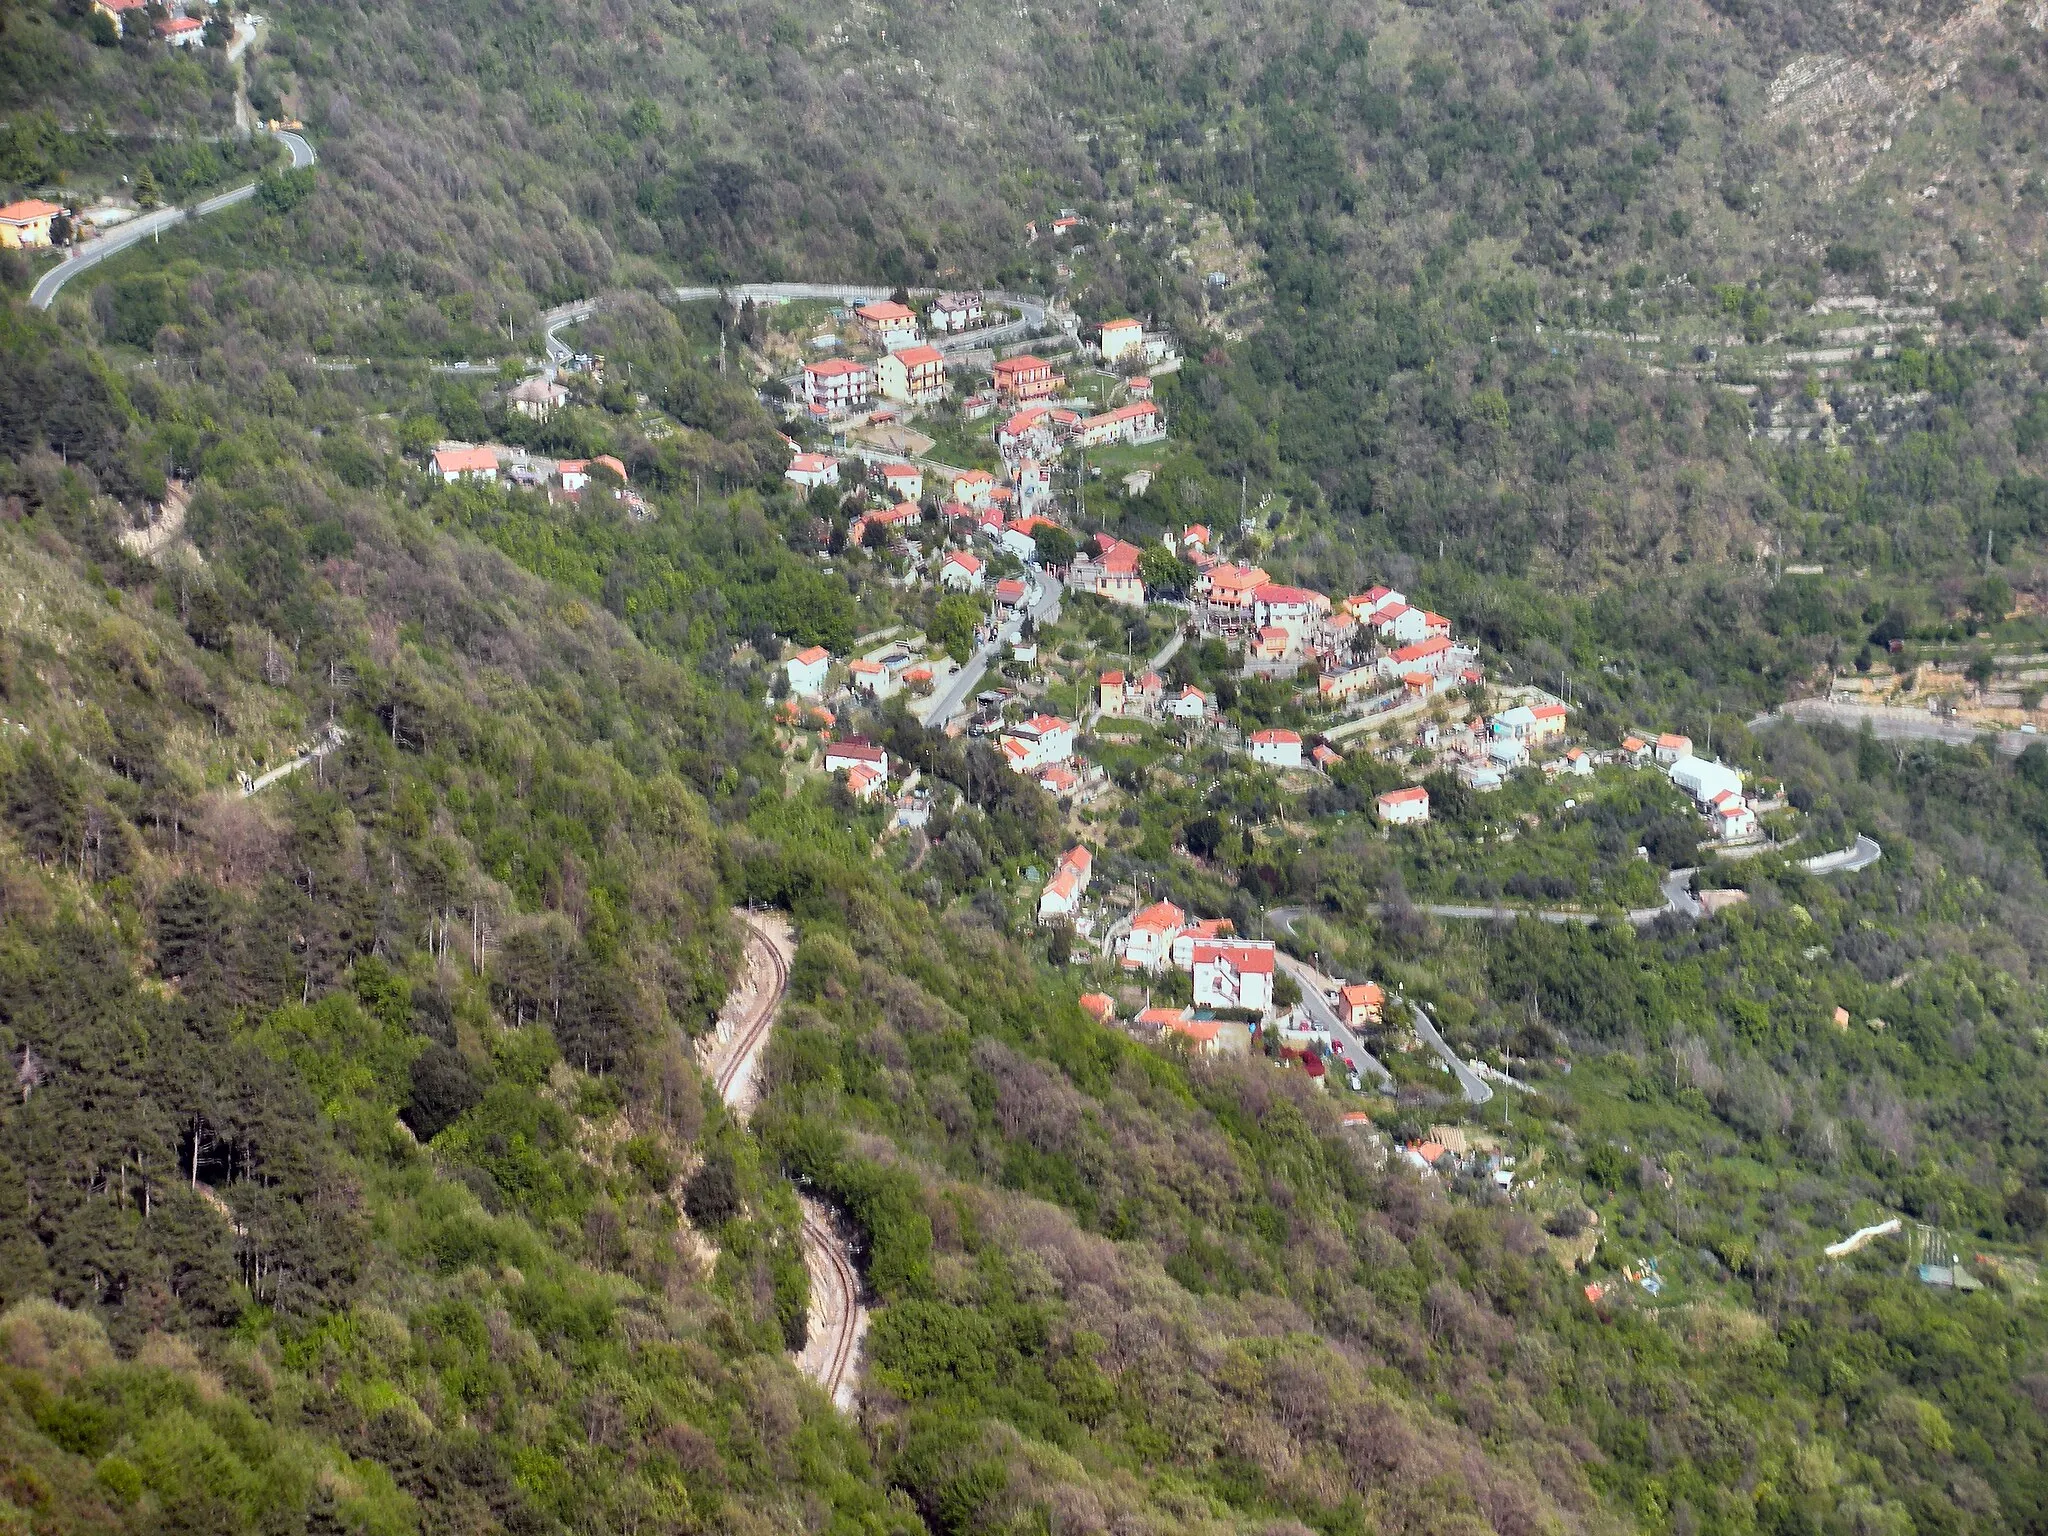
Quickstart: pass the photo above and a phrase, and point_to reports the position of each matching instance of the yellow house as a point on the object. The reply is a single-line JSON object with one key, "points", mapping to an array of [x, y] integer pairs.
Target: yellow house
{"points": [[26, 223], [117, 11]]}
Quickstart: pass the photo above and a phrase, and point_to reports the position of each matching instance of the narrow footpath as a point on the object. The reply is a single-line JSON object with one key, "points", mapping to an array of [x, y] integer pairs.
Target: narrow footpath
{"points": [[831, 1353]]}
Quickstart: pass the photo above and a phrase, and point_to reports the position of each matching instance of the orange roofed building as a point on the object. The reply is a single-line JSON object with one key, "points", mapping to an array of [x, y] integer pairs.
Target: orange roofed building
{"points": [[1148, 946], [26, 224], [1026, 378]]}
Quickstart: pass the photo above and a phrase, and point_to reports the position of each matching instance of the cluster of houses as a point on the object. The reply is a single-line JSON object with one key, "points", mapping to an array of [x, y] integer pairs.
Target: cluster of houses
{"points": [[908, 370], [1146, 697], [561, 479], [1455, 1151], [1715, 787], [1363, 644], [1231, 978], [179, 29]]}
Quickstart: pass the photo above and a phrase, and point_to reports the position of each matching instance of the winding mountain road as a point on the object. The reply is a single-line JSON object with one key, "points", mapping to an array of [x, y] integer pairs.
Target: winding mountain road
{"points": [[90, 253], [1895, 724], [1031, 309], [831, 1352], [1678, 898]]}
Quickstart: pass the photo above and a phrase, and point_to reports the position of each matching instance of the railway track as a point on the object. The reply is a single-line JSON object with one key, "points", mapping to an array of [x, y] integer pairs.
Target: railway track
{"points": [[752, 1033], [831, 1366], [838, 1362]]}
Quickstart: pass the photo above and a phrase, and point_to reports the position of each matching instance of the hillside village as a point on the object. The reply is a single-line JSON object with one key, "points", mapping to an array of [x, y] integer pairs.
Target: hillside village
{"points": [[1096, 667], [978, 484]]}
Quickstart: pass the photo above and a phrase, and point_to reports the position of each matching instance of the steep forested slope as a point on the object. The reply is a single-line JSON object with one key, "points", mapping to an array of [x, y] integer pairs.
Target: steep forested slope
{"points": [[359, 1173]]}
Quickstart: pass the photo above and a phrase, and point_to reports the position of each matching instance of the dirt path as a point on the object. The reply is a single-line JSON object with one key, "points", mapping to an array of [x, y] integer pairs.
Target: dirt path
{"points": [[831, 1357]]}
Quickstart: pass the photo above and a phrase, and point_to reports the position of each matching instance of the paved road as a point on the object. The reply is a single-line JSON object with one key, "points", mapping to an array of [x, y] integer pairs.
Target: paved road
{"points": [[551, 321], [1865, 852], [1166, 652], [1475, 1088], [1896, 724], [1029, 306], [949, 701], [90, 253], [1678, 897], [1311, 981]]}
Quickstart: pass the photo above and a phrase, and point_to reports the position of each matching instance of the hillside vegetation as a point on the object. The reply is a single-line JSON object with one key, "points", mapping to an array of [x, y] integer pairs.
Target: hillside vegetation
{"points": [[360, 1172]]}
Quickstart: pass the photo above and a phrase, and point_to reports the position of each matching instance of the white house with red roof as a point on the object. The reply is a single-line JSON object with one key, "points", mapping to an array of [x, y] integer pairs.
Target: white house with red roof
{"points": [[806, 671], [856, 752], [1193, 931], [1234, 973], [836, 385], [1189, 704], [1120, 337], [1732, 818], [1062, 895], [869, 677], [1061, 898], [1028, 433], [1142, 421], [1148, 942], [1111, 573], [904, 481], [1293, 609], [811, 470], [1020, 538], [1404, 807], [971, 488], [1010, 591], [1437, 657], [912, 375], [1043, 738], [1398, 624], [962, 572], [1276, 748], [887, 324], [182, 32], [453, 464]]}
